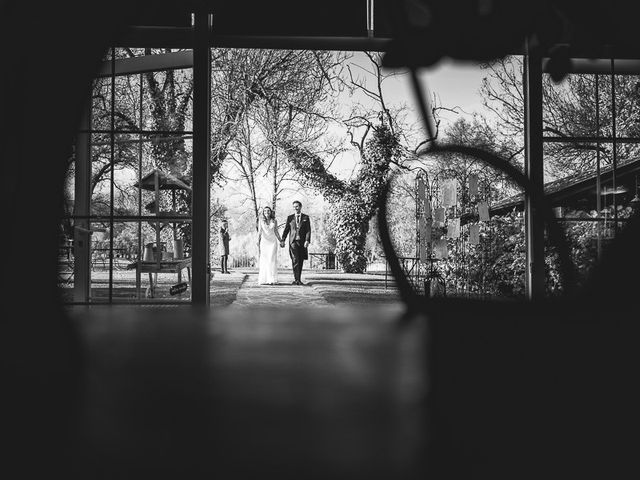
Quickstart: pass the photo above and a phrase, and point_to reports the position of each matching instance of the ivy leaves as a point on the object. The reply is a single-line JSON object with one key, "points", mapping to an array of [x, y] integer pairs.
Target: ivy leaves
{"points": [[353, 203]]}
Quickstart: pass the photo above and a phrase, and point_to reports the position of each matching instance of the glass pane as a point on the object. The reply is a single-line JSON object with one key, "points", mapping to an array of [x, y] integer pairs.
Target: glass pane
{"points": [[574, 174], [136, 158], [127, 265], [100, 262], [570, 166], [169, 153], [101, 103], [69, 185], [128, 102], [591, 200], [569, 108], [168, 100], [66, 262], [627, 106]]}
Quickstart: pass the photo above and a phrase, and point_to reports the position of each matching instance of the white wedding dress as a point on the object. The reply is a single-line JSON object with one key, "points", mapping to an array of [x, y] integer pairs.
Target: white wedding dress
{"points": [[268, 261]]}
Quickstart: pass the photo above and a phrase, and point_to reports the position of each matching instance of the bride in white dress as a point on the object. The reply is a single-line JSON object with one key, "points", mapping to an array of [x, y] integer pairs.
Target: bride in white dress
{"points": [[268, 243]]}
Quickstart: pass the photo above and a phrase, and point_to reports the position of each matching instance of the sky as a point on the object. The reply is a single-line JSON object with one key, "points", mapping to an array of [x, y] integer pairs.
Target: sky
{"points": [[455, 85]]}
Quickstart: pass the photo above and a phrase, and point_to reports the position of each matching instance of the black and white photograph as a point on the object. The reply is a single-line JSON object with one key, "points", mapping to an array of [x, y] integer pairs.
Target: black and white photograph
{"points": [[363, 239]]}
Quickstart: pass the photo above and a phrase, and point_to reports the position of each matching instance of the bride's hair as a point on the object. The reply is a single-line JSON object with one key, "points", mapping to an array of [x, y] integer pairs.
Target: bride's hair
{"points": [[271, 213]]}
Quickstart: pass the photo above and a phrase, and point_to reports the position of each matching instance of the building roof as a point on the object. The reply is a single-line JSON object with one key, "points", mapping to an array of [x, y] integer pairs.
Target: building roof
{"points": [[579, 191], [166, 181]]}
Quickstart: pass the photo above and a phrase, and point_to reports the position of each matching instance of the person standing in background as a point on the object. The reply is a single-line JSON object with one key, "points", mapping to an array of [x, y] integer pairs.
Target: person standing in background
{"points": [[223, 246]]}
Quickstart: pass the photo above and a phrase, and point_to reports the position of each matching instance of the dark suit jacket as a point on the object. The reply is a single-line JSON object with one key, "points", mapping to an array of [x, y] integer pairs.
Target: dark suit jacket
{"points": [[305, 230], [223, 244]]}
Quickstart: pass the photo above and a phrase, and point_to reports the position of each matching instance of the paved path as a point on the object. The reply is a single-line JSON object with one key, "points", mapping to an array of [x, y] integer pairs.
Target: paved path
{"points": [[253, 295]]}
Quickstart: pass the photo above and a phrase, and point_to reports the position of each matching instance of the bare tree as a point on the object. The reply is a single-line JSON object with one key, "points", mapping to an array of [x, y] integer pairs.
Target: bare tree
{"points": [[247, 165], [292, 95], [569, 110], [382, 140], [297, 80]]}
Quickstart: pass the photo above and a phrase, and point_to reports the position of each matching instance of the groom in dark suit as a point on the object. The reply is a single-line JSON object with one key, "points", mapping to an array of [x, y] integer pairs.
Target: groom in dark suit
{"points": [[298, 228]]}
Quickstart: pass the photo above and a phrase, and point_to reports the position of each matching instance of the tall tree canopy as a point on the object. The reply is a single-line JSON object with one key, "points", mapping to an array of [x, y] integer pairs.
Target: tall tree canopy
{"points": [[283, 94]]}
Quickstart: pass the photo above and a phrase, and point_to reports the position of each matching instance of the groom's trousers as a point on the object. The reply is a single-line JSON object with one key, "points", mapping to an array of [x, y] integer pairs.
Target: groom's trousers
{"points": [[296, 252]]}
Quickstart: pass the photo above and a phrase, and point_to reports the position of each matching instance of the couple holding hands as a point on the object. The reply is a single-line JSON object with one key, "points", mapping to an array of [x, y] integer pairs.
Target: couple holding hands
{"points": [[298, 228]]}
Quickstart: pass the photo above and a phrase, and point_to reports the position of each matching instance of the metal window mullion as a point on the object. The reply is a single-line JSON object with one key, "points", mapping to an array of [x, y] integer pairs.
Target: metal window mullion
{"points": [[614, 146], [534, 225], [601, 139], [203, 23], [175, 133], [81, 213], [140, 251], [112, 146], [598, 178]]}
